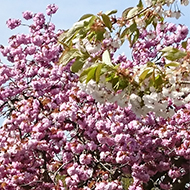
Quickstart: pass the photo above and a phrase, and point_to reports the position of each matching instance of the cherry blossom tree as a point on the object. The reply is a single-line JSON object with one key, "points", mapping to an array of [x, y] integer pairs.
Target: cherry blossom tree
{"points": [[79, 117]]}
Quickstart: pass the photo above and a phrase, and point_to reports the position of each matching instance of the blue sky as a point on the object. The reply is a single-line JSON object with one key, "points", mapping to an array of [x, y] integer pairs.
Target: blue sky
{"points": [[68, 13]]}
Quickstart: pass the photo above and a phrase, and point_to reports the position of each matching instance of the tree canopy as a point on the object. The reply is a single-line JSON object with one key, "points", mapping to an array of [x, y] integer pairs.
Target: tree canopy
{"points": [[80, 117]]}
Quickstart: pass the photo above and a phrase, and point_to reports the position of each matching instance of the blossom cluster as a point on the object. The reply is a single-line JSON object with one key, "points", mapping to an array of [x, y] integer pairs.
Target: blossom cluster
{"points": [[158, 7], [147, 49], [56, 136]]}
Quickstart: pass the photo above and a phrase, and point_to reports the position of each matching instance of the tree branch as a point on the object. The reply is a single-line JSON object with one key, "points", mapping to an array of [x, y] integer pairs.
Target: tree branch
{"points": [[62, 166]]}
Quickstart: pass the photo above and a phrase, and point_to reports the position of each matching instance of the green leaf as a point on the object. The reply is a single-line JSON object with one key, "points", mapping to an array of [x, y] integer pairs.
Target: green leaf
{"points": [[134, 11], [98, 72], [91, 36], [127, 181], [122, 83], [135, 37], [62, 36], [150, 20], [172, 64], [80, 26], [111, 12], [83, 75], [124, 33], [172, 53], [132, 28], [158, 81], [155, 1], [151, 82], [110, 77], [150, 64], [107, 21], [91, 74], [68, 56], [145, 74], [106, 58], [84, 17], [128, 32], [140, 4], [184, 44], [119, 83], [99, 35], [82, 33], [126, 11], [91, 21], [77, 65], [74, 30], [167, 49], [174, 56]]}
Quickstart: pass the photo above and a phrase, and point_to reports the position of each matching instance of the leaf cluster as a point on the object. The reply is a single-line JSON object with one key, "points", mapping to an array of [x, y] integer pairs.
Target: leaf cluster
{"points": [[92, 28]]}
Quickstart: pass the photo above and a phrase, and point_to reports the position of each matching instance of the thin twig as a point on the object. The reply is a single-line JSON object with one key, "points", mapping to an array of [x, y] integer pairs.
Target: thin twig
{"points": [[103, 165], [30, 183], [63, 165], [184, 82], [138, 13]]}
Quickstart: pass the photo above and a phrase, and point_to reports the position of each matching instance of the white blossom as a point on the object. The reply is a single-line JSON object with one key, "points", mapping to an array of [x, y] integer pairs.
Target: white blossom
{"points": [[148, 2], [92, 49], [140, 22], [116, 42], [107, 35], [172, 79], [185, 2], [169, 2], [176, 14], [187, 98]]}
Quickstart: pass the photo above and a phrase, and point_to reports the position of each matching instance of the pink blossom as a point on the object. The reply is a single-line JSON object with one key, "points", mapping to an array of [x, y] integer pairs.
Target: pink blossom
{"points": [[54, 129], [174, 173], [85, 159], [13, 23], [51, 9], [27, 15], [165, 186], [39, 19], [30, 50]]}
